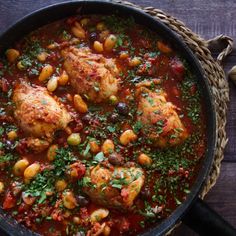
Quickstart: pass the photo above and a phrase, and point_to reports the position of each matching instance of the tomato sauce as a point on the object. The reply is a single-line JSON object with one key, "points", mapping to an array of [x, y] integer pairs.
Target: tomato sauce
{"points": [[151, 74]]}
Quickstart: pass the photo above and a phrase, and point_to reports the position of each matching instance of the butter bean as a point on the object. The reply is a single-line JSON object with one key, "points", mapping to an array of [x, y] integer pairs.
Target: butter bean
{"points": [[20, 166], [108, 146], [31, 171], [52, 84], [99, 214], [12, 55], [80, 104], [127, 137], [46, 72], [110, 42]]}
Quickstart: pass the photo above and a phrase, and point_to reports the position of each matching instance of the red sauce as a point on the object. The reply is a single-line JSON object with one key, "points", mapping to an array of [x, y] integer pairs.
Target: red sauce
{"points": [[174, 162]]}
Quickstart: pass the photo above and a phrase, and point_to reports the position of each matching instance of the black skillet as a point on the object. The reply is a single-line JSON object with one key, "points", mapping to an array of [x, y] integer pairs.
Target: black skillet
{"points": [[193, 212]]}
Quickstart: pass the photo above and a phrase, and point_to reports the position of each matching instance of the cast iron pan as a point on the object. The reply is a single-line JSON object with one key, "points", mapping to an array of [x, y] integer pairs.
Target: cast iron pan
{"points": [[194, 212]]}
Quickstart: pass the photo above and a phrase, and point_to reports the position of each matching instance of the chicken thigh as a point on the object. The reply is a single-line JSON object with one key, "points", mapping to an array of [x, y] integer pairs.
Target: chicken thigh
{"points": [[115, 188], [159, 119], [92, 75], [38, 114]]}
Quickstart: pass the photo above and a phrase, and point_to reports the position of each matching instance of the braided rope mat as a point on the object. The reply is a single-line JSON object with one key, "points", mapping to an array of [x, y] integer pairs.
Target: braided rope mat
{"points": [[213, 72]]}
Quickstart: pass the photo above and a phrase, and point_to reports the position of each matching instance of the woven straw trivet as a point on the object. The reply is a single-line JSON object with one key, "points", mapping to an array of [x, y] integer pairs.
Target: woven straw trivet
{"points": [[213, 72]]}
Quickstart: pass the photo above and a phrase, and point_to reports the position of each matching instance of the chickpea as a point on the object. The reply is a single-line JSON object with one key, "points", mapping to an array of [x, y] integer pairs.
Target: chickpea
{"points": [[60, 185], [20, 65], [74, 139], [113, 99], [12, 55], [99, 214], [42, 56], [1, 187], [127, 137], [98, 47], [94, 147], [144, 160], [124, 55], [80, 104], [52, 84], [136, 61], [84, 21], [63, 79], [31, 171], [46, 72], [106, 230], [20, 166], [69, 200], [52, 152], [12, 135], [108, 146], [100, 26], [110, 42]]}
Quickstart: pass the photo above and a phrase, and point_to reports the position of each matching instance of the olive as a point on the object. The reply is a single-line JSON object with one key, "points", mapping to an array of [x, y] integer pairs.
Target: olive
{"points": [[9, 145], [93, 36], [114, 117], [82, 200], [116, 159], [122, 108], [87, 118], [145, 193]]}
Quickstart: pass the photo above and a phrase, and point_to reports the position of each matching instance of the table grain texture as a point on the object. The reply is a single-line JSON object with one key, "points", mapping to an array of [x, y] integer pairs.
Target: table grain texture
{"points": [[208, 18]]}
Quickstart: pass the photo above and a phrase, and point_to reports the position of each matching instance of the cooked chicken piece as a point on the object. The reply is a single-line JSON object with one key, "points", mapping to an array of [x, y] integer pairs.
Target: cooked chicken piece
{"points": [[159, 120], [38, 114], [35, 145], [92, 75], [115, 188]]}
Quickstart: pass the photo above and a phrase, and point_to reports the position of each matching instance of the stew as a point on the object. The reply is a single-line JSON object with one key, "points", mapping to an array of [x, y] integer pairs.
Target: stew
{"points": [[102, 128]]}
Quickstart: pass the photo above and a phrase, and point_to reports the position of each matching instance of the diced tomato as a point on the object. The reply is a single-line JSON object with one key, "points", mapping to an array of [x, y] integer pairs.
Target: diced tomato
{"points": [[176, 91], [124, 225], [22, 147], [9, 201], [186, 174], [23, 207], [84, 213], [4, 85], [77, 170], [124, 193], [162, 65], [193, 89], [177, 68]]}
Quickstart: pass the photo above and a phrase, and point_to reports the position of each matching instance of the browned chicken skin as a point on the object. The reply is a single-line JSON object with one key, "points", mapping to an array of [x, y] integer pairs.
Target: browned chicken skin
{"points": [[39, 115], [159, 119], [92, 75], [115, 188]]}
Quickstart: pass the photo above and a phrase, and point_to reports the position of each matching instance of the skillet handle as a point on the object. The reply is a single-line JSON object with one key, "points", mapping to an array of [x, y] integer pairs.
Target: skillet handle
{"points": [[206, 222], [224, 43]]}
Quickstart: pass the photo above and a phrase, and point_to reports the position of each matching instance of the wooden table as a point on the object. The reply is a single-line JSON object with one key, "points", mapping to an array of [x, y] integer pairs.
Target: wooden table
{"points": [[207, 18]]}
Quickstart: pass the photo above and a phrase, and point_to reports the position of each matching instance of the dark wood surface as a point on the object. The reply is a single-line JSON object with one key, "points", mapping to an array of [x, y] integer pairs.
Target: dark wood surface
{"points": [[207, 18]]}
